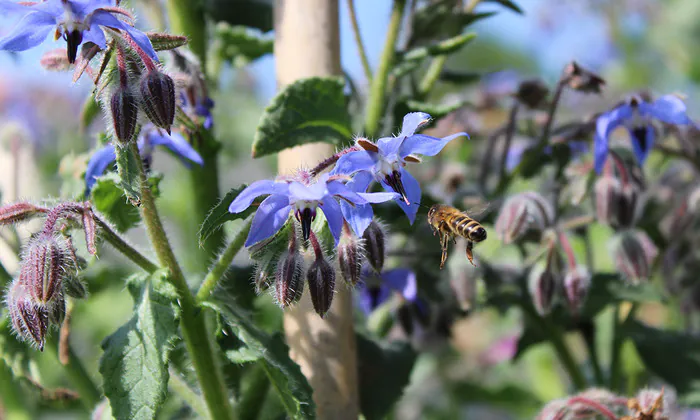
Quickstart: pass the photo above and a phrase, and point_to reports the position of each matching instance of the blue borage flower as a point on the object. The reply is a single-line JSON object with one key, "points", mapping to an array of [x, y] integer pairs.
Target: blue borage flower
{"points": [[384, 162], [302, 194], [375, 289], [77, 21], [201, 107], [149, 137], [637, 115]]}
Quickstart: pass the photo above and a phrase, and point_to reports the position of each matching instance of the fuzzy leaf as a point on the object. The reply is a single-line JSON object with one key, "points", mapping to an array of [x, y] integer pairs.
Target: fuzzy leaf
{"points": [[383, 372], [292, 387], [445, 47], [673, 356], [135, 360], [164, 41], [220, 214], [507, 4], [108, 198], [129, 177], [240, 44], [309, 110]]}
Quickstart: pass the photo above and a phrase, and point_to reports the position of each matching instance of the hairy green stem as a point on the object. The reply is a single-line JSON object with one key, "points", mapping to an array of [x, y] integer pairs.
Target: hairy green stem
{"points": [[358, 40], [124, 247], [377, 95], [178, 385], [187, 18], [617, 342], [79, 377], [194, 331], [431, 76], [219, 268], [10, 395]]}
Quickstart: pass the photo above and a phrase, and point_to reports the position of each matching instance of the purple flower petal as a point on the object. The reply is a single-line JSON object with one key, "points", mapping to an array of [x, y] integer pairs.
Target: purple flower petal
{"points": [[390, 146], [352, 162], [313, 192], [372, 297], [412, 122], [379, 197], [95, 35], [255, 190], [413, 193], [334, 216], [605, 125], [420, 144], [177, 144], [337, 188], [98, 164], [29, 32], [105, 18], [269, 218], [668, 108], [358, 217], [642, 142], [402, 280]]}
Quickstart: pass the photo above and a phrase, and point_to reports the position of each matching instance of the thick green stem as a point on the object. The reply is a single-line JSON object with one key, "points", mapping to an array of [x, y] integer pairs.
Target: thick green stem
{"points": [[219, 268], [377, 95], [358, 40], [90, 395], [194, 331], [187, 18], [11, 400], [178, 385], [122, 246]]}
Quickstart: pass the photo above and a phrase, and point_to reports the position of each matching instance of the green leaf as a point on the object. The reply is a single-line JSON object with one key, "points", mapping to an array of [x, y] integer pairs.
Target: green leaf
{"points": [[445, 47], [459, 77], [129, 176], [384, 372], [220, 214], [135, 360], [671, 355], [108, 198], [253, 13], [285, 376], [164, 41], [309, 110], [507, 4], [240, 44]]}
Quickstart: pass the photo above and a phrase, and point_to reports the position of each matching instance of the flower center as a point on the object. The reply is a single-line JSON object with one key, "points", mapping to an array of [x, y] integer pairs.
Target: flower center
{"points": [[305, 213]]}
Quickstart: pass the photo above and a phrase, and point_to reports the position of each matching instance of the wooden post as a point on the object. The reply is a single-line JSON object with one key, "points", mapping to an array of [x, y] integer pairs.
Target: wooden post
{"points": [[307, 44]]}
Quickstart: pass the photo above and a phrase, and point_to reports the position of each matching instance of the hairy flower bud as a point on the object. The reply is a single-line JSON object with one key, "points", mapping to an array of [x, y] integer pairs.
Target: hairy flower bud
{"points": [[522, 213], [31, 319], [158, 94], [577, 282], [349, 257], [543, 282], [44, 266], [74, 287], [375, 245], [321, 279], [264, 274], [532, 93], [124, 113], [634, 253], [18, 212], [289, 283]]}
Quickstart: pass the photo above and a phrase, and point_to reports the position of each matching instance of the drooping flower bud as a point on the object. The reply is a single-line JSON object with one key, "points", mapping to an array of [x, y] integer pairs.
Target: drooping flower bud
{"points": [[532, 93], [74, 287], [29, 320], [581, 79], [158, 94], [289, 283], [321, 279], [375, 245], [19, 212], [543, 282], [616, 196], [577, 282], [349, 256], [44, 266], [124, 113], [634, 253], [523, 212]]}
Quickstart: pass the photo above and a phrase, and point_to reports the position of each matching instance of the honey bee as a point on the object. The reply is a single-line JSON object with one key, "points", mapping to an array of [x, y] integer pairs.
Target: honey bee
{"points": [[451, 223]]}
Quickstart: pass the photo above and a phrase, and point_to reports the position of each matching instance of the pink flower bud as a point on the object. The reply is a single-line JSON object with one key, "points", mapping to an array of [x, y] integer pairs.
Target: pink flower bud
{"points": [[634, 253], [543, 282], [321, 278], [522, 213], [289, 283], [577, 282], [44, 265], [31, 319], [19, 212], [349, 257], [158, 94], [375, 245], [124, 113]]}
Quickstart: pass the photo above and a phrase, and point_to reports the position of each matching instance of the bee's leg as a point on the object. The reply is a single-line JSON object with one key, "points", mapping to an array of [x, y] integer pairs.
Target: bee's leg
{"points": [[470, 254], [445, 239]]}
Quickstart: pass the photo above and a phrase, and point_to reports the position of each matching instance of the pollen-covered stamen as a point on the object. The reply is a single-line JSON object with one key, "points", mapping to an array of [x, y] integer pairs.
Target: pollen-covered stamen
{"points": [[305, 213], [393, 180], [73, 38]]}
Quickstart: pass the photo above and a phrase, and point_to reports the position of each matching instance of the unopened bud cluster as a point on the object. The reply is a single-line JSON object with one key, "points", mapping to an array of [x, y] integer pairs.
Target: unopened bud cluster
{"points": [[48, 269], [633, 253], [617, 194], [523, 213]]}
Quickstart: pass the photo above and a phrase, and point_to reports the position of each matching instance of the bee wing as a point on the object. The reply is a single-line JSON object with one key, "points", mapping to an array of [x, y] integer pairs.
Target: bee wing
{"points": [[479, 209]]}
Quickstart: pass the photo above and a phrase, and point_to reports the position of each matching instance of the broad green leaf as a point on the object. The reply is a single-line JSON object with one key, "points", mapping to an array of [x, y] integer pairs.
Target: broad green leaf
{"points": [[307, 111], [671, 355], [285, 376], [134, 365], [240, 44], [507, 4], [129, 176], [384, 372], [108, 198], [220, 214]]}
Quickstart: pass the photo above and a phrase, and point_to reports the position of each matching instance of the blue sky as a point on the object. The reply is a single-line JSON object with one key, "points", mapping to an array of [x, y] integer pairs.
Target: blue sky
{"points": [[580, 38]]}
